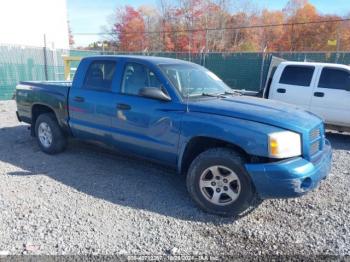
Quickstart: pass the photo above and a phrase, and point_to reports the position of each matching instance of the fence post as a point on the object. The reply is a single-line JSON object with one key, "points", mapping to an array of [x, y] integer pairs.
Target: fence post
{"points": [[338, 43], [45, 59], [262, 68]]}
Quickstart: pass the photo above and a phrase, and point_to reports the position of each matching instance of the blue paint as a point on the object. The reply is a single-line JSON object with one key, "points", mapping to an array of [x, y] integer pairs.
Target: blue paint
{"points": [[284, 179], [161, 130]]}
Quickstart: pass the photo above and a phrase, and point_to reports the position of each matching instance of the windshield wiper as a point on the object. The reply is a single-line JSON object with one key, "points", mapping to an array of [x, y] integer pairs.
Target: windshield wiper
{"points": [[211, 95], [215, 95], [233, 93]]}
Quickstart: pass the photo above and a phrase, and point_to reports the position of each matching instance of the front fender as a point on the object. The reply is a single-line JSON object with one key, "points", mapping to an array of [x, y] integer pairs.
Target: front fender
{"points": [[250, 136]]}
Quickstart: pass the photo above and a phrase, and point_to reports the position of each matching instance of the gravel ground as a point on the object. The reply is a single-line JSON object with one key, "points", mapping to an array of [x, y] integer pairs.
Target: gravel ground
{"points": [[89, 200]]}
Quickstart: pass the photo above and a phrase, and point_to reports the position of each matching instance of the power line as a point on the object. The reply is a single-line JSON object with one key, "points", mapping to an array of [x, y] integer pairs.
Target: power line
{"points": [[225, 28]]}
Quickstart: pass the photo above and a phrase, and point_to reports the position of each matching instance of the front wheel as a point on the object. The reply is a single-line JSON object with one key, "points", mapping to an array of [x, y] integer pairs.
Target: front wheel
{"points": [[218, 182], [49, 135]]}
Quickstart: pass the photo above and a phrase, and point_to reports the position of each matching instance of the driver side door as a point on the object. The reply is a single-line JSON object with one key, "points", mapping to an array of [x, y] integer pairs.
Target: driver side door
{"points": [[144, 126]]}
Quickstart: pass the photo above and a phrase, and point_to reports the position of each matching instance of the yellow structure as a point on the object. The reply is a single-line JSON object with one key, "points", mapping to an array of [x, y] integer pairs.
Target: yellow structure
{"points": [[67, 60], [332, 42]]}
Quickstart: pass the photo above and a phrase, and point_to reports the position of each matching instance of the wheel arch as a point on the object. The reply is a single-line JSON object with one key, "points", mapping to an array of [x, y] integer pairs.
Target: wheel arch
{"points": [[37, 110], [197, 145]]}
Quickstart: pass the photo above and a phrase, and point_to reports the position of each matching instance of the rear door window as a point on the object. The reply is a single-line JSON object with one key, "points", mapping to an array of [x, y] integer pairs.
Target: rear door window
{"points": [[100, 75], [297, 75], [333, 78]]}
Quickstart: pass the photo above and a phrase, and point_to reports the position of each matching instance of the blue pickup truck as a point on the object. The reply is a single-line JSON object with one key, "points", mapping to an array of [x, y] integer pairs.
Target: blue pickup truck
{"points": [[233, 149]]}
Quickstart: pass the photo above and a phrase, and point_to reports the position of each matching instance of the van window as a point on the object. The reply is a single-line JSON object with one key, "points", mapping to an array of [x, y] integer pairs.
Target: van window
{"points": [[100, 75], [297, 75], [333, 78]]}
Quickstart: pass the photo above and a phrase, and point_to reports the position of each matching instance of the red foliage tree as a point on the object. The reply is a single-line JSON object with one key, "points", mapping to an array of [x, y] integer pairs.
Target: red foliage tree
{"points": [[207, 25], [131, 30]]}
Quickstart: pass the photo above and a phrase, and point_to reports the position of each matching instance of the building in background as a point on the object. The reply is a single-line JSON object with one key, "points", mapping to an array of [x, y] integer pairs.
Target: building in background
{"points": [[25, 22], [23, 25]]}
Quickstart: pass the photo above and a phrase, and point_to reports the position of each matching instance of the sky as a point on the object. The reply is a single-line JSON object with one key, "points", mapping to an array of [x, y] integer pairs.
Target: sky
{"points": [[89, 16]]}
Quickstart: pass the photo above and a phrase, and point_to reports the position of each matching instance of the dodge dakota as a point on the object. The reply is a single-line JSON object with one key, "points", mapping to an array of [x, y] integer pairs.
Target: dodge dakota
{"points": [[233, 149]]}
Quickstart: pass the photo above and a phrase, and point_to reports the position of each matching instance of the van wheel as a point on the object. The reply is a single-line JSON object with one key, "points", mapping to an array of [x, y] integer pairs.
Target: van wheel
{"points": [[49, 135], [218, 182]]}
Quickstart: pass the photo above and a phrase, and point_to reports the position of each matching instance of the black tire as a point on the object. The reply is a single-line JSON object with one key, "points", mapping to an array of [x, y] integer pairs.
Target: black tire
{"points": [[226, 158], [59, 140]]}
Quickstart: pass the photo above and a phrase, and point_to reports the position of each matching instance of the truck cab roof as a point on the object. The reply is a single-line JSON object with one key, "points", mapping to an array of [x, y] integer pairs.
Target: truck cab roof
{"points": [[149, 59]]}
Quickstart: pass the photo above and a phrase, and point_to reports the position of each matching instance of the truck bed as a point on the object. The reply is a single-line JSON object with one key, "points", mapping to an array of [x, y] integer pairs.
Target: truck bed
{"points": [[52, 94], [58, 87]]}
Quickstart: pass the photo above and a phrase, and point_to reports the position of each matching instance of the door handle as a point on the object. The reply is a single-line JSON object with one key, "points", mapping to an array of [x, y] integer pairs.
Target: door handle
{"points": [[123, 107], [281, 90], [79, 99], [319, 94]]}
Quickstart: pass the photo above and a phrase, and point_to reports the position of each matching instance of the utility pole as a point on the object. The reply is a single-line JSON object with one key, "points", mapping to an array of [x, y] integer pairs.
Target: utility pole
{"points": [[45, 59], [292, 39], [338, 43]]}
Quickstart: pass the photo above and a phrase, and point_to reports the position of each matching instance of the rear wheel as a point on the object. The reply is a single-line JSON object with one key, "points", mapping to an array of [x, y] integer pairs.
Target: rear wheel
{"points": [[218, 182], [49, 135]]}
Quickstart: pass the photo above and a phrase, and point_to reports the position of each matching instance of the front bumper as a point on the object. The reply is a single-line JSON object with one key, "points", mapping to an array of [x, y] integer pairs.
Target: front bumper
{"points": [[290, 178]]}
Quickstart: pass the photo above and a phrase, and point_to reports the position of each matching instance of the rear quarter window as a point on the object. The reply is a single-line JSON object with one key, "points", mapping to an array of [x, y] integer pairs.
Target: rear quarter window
{"points": [[99, 76], [297, 75]]}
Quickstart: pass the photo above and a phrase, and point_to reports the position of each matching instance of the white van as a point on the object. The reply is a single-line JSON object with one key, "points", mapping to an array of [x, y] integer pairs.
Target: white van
{"points": [[321, 88]]}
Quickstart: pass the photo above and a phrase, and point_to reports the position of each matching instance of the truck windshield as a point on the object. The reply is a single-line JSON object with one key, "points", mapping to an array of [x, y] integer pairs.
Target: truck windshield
{"points": [[192, 80]]}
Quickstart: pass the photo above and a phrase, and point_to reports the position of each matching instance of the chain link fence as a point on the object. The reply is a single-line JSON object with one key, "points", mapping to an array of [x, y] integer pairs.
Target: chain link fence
{"points": [[19, 63], [244, 70]]}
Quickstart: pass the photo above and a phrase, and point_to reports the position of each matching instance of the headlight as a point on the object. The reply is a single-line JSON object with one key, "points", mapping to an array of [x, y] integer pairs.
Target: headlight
{"points": [[284, 144]]}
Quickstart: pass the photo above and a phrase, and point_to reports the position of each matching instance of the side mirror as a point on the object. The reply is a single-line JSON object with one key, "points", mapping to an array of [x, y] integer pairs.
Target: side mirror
{"points": [[154, 93]]}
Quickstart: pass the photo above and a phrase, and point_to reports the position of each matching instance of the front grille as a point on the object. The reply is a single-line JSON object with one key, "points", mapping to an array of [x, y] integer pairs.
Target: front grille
{"points": [[315, 140], [315, 147], [315, 133]]}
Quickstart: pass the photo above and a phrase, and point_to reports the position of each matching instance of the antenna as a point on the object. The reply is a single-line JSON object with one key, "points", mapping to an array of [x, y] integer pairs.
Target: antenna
{"points": [[187, 109], [187, 94]]}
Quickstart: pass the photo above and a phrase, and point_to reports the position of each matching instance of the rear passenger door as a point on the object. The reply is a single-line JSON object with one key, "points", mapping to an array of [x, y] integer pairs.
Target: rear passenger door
{"points": [[294, 85], [91, 105], [331, 98]]}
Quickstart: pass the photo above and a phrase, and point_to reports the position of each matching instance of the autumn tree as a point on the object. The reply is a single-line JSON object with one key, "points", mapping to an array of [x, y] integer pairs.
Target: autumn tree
{"points": [[151, 18], [269, 36], [187, 15], [216, 16], [344, 34], [299, 34], [167, 34], [130, 30], [220, 25]]}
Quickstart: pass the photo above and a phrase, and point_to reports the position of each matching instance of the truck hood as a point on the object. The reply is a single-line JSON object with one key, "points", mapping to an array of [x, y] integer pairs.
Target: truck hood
{"points": [[265, 111]]}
